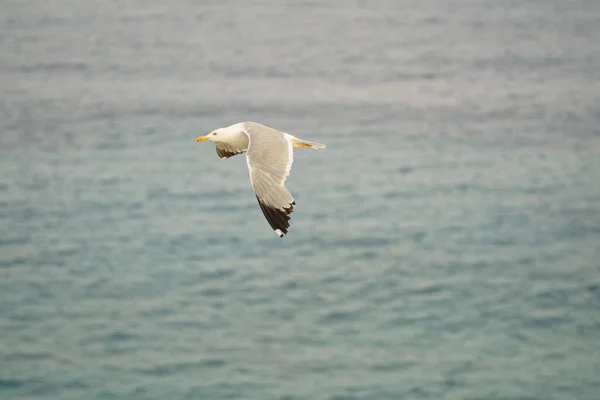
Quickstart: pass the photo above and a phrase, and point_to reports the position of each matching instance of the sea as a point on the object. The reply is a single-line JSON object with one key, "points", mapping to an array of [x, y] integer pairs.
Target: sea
{"points": [[444, 245]]}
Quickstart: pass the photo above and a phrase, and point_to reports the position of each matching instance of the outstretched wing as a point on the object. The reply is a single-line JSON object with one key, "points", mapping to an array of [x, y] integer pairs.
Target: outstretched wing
{"points": [[270, 157]]}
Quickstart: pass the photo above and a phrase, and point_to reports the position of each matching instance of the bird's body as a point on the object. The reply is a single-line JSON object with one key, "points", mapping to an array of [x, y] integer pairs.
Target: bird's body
{"points": [[269, 154]]}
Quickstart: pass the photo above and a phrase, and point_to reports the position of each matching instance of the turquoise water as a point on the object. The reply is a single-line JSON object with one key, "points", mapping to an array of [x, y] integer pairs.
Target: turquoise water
{"points": [[445, 244]]}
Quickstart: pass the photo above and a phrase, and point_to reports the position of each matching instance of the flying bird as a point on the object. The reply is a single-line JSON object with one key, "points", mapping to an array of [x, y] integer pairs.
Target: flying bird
{"points": [[269, 155]]}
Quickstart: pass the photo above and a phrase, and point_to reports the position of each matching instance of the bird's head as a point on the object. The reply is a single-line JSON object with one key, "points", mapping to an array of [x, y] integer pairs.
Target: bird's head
{"points": [[223, 135]]}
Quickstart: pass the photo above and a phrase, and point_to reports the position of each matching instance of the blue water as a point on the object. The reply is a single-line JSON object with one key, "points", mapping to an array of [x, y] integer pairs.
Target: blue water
{"points": [[445, 244]]}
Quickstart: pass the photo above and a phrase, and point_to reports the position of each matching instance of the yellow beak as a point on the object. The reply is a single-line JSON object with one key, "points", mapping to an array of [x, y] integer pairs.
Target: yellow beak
{"points": [[201, 138]]}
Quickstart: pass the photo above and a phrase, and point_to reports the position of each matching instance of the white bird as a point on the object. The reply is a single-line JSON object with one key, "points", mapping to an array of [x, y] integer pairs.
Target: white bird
{"points": [[269, 155]]}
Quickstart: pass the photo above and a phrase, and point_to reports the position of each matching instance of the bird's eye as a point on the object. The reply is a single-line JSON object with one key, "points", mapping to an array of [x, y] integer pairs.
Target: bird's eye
{"points": [[214, 133]]}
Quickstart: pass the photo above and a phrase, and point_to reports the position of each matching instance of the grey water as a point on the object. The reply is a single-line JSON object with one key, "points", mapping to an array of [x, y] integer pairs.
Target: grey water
{"points": [[445, 244]]}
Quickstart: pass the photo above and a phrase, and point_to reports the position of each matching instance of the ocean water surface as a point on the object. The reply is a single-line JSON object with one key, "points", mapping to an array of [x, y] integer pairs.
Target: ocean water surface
{"points": [[445, 244]]}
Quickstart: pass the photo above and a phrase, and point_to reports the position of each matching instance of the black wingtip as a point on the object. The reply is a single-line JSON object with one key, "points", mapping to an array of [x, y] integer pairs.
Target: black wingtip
{"points": [[277, 219]]}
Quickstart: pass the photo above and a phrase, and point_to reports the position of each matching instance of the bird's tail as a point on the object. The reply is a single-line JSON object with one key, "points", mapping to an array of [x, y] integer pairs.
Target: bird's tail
{"points": [[305, 143]]}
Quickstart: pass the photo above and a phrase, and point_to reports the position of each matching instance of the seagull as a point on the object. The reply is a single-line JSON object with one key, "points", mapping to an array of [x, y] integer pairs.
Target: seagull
{"points": [[269, 155]]}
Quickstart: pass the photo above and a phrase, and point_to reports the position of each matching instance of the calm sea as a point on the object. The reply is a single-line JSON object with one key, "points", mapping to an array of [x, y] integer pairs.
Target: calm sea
{"points": [[445, 244]]}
